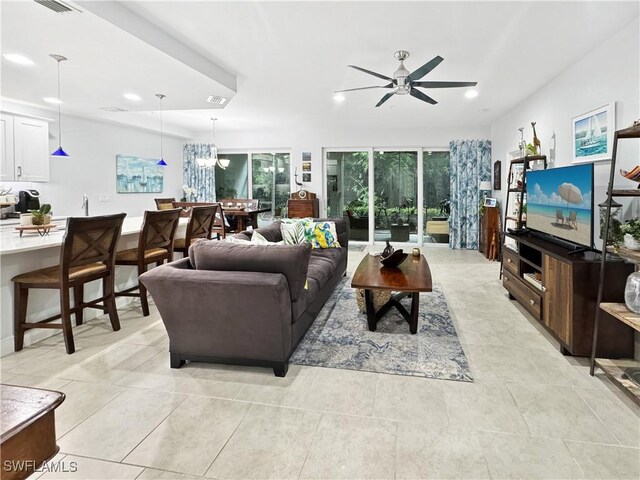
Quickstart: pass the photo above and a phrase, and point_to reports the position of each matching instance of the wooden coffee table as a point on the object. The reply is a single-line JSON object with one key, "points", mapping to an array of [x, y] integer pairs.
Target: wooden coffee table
{"points": [[410, 278]]}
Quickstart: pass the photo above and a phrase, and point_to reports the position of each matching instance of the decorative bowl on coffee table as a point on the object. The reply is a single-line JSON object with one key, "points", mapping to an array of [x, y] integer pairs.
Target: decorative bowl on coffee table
{"points": [[395, 259]]}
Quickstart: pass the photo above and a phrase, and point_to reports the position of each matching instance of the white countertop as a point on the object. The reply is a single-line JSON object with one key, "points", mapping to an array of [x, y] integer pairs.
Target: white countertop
{"points": [[11, 242]]}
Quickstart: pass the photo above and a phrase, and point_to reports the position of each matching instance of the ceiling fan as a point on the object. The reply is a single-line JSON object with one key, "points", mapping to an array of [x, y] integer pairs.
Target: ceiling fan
{"points": [[404, 83]]}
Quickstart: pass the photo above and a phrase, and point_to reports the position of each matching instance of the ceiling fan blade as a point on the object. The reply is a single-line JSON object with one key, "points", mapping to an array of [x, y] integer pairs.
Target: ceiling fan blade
{"points": [[425, 98], [443, 84], [385, 98], [364, 88], [426, 68], [379, 75]]}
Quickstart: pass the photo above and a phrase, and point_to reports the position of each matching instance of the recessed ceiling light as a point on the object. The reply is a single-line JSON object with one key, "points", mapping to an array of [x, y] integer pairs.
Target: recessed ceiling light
{"points": [[132, 96], [217, 99], [471, 93], [54, 100], [338, 97], [17, 58]]}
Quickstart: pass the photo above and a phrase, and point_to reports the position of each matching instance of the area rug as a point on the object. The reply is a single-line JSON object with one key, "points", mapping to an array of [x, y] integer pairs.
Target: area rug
{"points": [[339, 338]]}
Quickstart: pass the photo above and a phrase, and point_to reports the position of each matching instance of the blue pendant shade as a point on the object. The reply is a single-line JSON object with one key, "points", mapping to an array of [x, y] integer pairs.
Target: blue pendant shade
{"points": [[161, 163], [60, 153]]}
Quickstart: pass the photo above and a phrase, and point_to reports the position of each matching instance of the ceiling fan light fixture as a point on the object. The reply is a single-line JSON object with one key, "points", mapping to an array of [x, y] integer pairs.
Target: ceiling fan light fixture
{"points": [[472, 93], [339, 98]]}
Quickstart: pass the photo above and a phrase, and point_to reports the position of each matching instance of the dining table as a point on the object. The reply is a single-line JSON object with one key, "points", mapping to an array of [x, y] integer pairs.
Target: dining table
{"points": [[245, 215]]}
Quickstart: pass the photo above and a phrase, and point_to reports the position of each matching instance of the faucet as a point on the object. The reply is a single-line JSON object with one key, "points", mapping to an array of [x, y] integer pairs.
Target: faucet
{"points": [[85, 204]]}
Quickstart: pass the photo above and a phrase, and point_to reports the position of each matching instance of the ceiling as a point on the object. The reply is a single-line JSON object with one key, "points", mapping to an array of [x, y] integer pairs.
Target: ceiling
{"points": [[288, 57]]}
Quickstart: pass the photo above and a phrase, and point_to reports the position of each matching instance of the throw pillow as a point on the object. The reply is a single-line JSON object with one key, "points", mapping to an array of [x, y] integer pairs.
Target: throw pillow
{"points": [[293, 232], [321, 234], [258, 239]]}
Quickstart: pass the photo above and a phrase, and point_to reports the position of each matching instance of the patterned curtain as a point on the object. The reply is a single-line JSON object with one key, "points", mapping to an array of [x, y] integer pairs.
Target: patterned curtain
{"points": [[201, 178], [470, 164]]}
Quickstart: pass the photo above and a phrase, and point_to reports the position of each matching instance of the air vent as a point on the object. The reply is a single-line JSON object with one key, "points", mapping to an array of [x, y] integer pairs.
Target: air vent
{"points": [[217, 100], [57, 6], [113, 109]]}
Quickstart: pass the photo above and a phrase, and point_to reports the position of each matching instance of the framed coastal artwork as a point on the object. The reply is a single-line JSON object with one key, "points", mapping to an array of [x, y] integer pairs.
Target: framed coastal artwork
{"points": [[138, 175], [592, 134]]}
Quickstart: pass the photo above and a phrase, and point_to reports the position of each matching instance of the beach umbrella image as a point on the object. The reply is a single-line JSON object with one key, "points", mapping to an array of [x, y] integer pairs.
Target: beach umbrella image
{"points": [[570, 193]]}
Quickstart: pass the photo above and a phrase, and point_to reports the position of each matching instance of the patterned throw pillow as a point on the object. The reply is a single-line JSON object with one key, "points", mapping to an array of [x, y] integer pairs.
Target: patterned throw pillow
{"points": [[321, 234], [293, 231], [258, 239]]}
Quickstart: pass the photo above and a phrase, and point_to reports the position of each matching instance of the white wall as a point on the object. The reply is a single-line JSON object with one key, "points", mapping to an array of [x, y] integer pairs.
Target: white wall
{"points": [[93, 146], [610, 72], [310, 138]]}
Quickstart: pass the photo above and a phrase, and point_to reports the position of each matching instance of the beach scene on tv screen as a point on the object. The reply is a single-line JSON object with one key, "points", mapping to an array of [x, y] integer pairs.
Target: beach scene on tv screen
{"points": [[559, 202]]}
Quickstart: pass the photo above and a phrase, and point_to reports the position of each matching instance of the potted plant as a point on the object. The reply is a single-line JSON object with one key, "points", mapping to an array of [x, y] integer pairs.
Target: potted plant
{"points": [[42, 215], [631, 231]]}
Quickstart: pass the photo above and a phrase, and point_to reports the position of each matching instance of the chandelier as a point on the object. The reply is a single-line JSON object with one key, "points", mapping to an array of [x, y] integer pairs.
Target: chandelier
{"points": [[213, 160]]}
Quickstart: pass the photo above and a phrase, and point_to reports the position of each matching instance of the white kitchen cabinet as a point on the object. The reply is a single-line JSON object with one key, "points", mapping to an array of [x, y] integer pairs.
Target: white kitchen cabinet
{"points": [[7, 170], [24, 149]]}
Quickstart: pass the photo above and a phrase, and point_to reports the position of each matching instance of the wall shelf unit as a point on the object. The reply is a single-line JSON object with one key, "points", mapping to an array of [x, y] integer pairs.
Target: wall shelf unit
{"points": [[615, 369]]}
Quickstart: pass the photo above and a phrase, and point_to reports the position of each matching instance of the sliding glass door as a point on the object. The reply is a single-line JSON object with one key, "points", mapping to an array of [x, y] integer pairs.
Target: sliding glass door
{"points": [[270, 181], [396, 195], [436, 182], [347, 190]]}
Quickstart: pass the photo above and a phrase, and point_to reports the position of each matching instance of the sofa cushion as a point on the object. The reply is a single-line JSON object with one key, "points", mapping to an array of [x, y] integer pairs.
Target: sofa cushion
{"points": [[292, 261], [292, 231]]}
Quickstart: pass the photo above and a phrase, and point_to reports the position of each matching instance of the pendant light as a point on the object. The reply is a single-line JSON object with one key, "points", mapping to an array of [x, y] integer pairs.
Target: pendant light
{"points": [[161, 162], [213, 160], [59, 152]]}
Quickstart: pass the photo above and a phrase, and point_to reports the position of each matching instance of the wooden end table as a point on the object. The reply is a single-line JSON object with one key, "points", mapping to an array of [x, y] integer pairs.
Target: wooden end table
{"points": [[28, 437], [410, 278]]}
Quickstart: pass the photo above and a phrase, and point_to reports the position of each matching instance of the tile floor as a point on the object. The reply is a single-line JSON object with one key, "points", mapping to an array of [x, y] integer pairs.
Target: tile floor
{"points": [[531, 413]]}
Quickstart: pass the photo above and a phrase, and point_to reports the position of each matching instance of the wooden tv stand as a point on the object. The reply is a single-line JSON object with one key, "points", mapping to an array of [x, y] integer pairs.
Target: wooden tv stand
{"points": [[564, 300]]}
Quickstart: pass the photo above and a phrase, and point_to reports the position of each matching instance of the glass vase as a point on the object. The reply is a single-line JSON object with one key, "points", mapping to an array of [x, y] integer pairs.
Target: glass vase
{"points": [[632, 292]]}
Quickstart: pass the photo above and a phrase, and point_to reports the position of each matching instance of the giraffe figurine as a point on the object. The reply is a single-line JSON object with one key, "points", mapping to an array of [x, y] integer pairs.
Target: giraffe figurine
{"points": [[536, 140]]}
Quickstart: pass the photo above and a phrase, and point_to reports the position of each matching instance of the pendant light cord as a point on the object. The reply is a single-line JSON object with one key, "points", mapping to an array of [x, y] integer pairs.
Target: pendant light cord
{"points": [[59, 115], [161, 130]]}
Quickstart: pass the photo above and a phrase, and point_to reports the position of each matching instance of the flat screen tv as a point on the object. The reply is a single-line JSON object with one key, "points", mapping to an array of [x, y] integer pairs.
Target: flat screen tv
{"points": [[560, 203]]}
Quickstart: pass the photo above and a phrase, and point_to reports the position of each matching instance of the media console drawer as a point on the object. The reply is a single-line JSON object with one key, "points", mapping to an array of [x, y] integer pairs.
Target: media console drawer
{"points": [[530, 300], [510, 261]]}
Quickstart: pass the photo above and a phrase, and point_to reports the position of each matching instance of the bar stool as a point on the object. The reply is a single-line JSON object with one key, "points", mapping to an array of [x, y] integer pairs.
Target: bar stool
{"points": [[155, 245], [199, 226], [88, 253]]}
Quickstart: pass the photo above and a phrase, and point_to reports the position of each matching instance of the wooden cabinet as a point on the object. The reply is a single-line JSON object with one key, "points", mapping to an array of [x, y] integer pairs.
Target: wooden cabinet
{"points": [[24, 149], [489, 231], [560, 291], [7, 160], [558, 288], [303, 208]]}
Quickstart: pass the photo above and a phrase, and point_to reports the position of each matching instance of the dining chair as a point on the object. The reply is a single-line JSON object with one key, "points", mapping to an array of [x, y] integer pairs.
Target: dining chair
{"points": [[155, 245], [219, 226], [87, 254], [164, 203], [200, 225]]}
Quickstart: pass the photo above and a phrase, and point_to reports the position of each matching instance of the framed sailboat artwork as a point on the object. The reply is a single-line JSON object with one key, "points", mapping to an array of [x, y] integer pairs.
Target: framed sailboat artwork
{"points": [[592, 134], [138, 175]]}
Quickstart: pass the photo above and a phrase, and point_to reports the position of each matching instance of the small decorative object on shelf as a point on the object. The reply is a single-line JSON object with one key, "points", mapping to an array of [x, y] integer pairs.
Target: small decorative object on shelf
{"points": [[522, 144], [537, 149], [615, 221], [631, 231], [415, 252], [632, 292], [633, 175]]}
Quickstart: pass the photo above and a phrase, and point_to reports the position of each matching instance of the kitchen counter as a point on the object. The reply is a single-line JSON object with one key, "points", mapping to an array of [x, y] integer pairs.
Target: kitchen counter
{"points": [[11, 242], [31, 252]]}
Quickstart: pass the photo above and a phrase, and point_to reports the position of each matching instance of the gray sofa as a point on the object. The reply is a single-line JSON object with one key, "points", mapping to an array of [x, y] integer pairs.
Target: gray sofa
{"points": [[246, 305]]}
